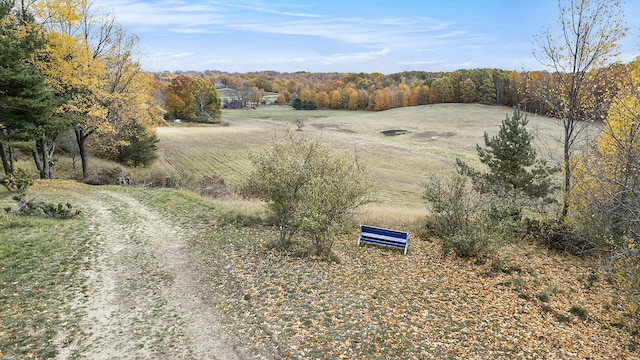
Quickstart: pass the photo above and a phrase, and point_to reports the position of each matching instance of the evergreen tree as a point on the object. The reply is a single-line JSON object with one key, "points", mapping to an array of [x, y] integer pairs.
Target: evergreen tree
{"points": [[309, 105], [27, 103], [141, 145], [515, 170], [297, 104]]}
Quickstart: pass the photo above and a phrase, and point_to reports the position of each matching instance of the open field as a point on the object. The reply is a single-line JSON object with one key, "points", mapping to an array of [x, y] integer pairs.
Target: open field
{"points": [[428, 139], [165, 273]]}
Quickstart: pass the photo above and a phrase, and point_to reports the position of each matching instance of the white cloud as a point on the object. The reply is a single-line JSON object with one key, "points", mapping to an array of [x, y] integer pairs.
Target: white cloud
{"points": [[178, 56], [355, 57]]}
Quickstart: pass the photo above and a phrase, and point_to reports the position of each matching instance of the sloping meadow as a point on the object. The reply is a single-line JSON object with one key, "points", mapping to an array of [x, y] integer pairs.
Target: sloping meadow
{"points": [[400, 147], [376, 303]]}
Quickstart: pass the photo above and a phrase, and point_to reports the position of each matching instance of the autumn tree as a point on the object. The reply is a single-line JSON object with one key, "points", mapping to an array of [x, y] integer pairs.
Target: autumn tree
{"points": [[129, 99], [486, 88], [468, 91], [207, 103], [64, 66], [322, 99], [585, 41], [178, 98], [607, 193], [193, 99], [609, 176], [73, 69], [256, 96], [382, 99], [335, 99], [97, 68]]}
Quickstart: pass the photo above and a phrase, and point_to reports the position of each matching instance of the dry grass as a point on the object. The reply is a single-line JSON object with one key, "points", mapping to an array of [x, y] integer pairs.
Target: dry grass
{"points": [[432, 137], [390, 216]]}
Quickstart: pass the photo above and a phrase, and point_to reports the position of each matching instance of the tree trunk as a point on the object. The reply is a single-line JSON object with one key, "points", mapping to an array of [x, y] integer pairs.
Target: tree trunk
{"points": [[36, 158], [81, 139], [49, 149], [568, 135], [6, 165], [44, 164]]}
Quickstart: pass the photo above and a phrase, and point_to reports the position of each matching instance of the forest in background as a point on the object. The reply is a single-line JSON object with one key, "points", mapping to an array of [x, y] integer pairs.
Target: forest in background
{"points": [[377, 92]]}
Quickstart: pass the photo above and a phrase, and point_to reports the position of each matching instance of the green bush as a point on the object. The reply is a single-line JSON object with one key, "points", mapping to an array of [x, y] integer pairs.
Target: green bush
{"points": [[308, 189], [35, 207], [473, 243], [19, 182], [459, 217], [452, 204]]}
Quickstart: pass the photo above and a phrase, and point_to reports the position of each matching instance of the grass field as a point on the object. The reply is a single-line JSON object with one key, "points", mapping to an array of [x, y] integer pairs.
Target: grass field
{"points": [[427, 139], [525, 303]]}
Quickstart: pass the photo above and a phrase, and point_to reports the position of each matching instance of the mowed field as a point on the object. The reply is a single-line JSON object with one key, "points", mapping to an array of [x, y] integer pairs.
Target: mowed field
{"points": [[418, 141]]}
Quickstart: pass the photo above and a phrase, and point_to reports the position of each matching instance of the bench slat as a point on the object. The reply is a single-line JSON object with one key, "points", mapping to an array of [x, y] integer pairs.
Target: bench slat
{"points": [[374, 241], [386, 237]]}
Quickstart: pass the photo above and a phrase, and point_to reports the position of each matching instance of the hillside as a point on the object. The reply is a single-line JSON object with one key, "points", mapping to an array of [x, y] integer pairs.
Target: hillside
{"points": [[163, 273], [420, 140], [190, 277]]}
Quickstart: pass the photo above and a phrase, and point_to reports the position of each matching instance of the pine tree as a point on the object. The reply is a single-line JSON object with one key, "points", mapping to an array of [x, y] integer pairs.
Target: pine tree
{"points": [[141, 145], [515, 170], [297, 104], [27, 103]]}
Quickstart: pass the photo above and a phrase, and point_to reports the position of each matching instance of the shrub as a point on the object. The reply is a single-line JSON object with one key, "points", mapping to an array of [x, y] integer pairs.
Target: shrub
{"points": [[154, 178], [113, 176], [458, 217], [211, 186], [558, 235], [308, 188], [452, 203], [478, 244], [35, 207], [18, 182]]}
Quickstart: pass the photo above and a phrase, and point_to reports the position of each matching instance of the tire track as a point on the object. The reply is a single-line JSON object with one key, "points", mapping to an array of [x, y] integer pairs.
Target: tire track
{"points": [[141, 301]]}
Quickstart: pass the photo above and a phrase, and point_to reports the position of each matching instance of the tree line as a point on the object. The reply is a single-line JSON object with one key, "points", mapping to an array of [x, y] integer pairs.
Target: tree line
{"points": [[377, 92]]}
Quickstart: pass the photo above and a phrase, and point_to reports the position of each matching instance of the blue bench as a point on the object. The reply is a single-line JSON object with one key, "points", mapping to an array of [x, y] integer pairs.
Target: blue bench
{"points": [[385, 237]]}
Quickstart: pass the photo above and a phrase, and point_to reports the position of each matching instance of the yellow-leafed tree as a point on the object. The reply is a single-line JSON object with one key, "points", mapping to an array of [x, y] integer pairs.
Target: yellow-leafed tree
{"points": [[609, 176], [609, 188]]}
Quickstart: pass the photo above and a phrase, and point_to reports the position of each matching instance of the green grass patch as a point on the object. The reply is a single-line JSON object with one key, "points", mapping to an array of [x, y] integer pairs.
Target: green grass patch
{"points": [[39, 263]]}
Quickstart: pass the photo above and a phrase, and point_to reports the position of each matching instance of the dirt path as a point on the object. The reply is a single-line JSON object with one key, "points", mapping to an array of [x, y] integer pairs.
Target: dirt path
{"points": [[141, 300]]}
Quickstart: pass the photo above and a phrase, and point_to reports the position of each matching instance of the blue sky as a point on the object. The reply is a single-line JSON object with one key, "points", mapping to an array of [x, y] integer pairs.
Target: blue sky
{"points": [[343, 36]]}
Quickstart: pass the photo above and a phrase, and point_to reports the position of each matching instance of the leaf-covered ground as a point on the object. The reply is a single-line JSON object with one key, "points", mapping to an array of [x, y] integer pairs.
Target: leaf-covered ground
{"points": [[374, 304], [377, 303]]}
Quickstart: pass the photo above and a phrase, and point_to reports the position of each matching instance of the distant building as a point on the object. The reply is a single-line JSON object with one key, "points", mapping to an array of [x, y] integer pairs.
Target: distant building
{"points": [[227, 95], [270, 97]]}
